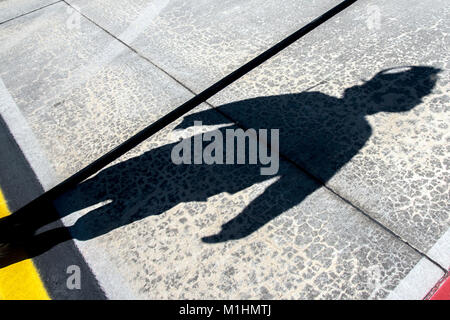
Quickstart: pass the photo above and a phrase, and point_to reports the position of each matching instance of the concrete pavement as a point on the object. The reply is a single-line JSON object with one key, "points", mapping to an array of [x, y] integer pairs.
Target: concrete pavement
{"points": [[360, 205]]}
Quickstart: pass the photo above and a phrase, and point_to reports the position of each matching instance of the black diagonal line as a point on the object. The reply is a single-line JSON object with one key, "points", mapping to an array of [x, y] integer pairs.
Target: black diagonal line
{"points": [[183, 109], [29, 12]]}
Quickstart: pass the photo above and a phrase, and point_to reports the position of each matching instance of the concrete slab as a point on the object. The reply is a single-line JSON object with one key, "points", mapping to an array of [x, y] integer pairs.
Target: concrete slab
{"points": [[80, 91], [10, 9], [150, 229], [226, 232], [381, 142], [200, 42]]}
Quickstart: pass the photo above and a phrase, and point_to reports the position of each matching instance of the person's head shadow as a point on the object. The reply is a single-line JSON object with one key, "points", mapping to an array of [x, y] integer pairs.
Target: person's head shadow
{"points": [[319, 132]]}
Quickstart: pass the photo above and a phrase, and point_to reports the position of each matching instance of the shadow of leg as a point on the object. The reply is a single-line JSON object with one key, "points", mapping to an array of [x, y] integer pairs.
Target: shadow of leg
{"points": [[19, 239], [31, 246], [279, 197]]}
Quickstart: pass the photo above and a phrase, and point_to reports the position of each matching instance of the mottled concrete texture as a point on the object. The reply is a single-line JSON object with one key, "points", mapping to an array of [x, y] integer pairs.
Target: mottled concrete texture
{"points": [[10, 9], [199, 42], [81, 91], [155, 221], [379, 140]]}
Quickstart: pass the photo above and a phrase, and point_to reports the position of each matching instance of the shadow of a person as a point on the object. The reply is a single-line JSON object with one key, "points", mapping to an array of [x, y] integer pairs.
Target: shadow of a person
{"points": [[318, 132]]}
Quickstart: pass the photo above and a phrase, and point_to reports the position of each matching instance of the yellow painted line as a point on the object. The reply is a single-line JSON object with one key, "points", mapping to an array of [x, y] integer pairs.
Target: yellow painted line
{"points": [[20, 281]]}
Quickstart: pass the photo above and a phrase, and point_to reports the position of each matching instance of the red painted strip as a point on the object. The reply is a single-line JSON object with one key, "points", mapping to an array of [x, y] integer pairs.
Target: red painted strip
{"points": [[443, 293]]}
